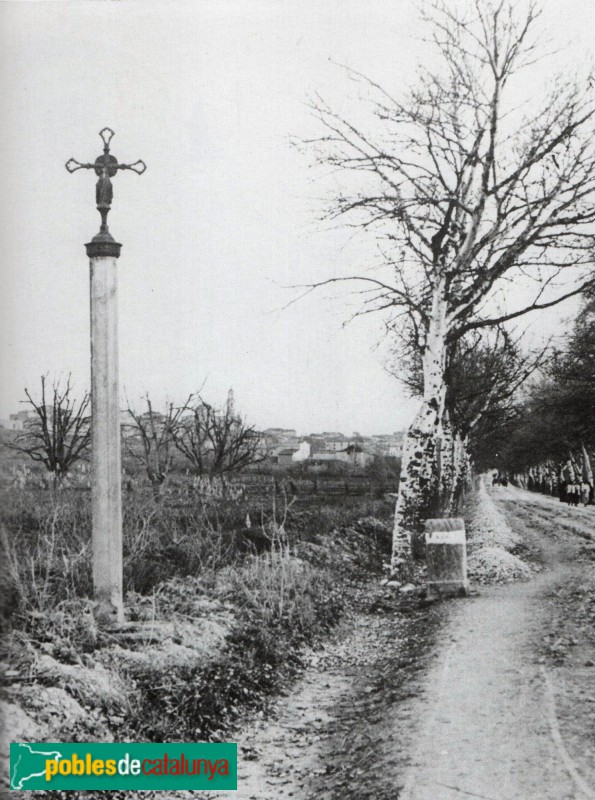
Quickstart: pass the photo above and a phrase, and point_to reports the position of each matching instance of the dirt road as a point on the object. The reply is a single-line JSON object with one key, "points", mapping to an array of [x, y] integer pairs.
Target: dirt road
{"points": [[491, 696]]}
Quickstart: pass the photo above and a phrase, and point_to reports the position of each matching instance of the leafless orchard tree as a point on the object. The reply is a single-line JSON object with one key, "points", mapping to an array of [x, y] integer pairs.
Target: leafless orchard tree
{"points": [[58, 433], [149, 438], [217, 442], [469, 185]]}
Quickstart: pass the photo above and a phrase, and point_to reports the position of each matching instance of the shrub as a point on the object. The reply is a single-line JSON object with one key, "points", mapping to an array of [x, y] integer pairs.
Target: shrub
{"points": [[281, 603], [281, 582], [47, 546]]}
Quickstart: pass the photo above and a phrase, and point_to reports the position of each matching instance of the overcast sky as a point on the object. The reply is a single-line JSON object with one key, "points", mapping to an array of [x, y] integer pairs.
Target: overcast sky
{"points": [[208, 94]]}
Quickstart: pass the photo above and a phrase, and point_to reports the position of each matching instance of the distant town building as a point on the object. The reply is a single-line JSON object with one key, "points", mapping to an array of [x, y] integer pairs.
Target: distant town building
{"points": [[285, 457], [357, 456], [395, 450], [280, 446], [337, 443], [281, 434], [303, 451], [23, 419], [330, 455]]}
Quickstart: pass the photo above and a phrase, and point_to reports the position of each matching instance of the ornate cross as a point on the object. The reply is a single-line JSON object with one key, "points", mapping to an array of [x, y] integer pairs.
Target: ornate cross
{"points": [[105, 166]]}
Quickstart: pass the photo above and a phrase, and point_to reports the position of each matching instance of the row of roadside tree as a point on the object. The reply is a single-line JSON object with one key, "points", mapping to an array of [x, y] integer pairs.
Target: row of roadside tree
{"points": [[477, 188]]}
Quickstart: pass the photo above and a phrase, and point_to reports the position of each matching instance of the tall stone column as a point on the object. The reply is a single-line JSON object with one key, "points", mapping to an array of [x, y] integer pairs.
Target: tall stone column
{"points": [[106, 493], [106, 483]]}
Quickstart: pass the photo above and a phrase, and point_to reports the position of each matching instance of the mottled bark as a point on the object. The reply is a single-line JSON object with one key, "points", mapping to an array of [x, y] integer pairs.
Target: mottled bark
{"points": [[446, 463], [587, 469], [418, 496], [461, 472]]}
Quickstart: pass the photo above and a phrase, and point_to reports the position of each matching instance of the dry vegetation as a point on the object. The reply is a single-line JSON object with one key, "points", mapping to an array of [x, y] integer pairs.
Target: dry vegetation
{"points": [[224, 594]]}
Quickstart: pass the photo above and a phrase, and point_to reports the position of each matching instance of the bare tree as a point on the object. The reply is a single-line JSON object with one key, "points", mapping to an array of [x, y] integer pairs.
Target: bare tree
{"points": [[554, 422], [57, 432], [191, 437], [217, 442], [467, 189], [149, 438], [485, 370], [483, 378]]}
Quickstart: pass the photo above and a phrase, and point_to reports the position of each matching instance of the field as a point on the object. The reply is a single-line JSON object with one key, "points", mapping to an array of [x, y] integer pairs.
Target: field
{"points": [[225, 591]]}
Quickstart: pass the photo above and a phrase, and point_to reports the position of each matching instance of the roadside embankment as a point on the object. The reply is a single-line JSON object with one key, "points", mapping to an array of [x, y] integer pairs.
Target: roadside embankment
{"points": [[496, 554], [220, 620]]}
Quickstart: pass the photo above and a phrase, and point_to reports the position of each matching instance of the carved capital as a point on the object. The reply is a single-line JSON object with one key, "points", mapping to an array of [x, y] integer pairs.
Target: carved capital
{"points": [[103, 245]]}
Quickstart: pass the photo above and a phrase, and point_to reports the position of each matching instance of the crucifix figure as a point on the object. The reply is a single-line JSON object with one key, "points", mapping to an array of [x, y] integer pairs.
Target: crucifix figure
{"points": [[106, 490], [105, 166]]}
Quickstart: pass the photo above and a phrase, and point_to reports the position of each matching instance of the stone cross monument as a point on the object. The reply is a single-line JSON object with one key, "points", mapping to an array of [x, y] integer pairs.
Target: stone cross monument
{"points": [[106, 498]]}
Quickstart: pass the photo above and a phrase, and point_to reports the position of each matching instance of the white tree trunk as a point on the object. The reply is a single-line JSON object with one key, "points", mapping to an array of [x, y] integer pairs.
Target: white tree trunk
{"points": [[447, 463], [587, 469], [418, 487], [460, 474]]}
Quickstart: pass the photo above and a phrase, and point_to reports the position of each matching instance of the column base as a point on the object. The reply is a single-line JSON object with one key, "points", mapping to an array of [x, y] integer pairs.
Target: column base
{"points": [[108, 610]]}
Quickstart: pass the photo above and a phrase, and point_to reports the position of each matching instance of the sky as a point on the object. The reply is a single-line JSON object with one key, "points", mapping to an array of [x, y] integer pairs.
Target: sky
{"points": [[224, 221]]}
